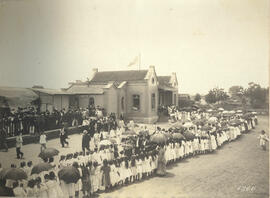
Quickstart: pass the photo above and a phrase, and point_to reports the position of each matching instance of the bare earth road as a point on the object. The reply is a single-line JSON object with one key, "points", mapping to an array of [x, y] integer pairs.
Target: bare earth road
{"points": [[238, 169]]}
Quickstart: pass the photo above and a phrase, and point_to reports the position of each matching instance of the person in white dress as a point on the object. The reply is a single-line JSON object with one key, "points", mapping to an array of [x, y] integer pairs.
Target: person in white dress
{"points": [[263, 139], [30, 190], [42, 141], [41, 188], [18, 190], [213, 142], [51, 185]]}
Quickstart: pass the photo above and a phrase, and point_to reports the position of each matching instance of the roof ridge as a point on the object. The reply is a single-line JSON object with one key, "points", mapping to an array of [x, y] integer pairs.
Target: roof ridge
{"points": [[124, 71]]}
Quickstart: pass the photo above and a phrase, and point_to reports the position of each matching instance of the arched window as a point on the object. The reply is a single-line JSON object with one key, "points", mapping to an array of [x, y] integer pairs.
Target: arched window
{"points": [[122, 103], [153, 80]]}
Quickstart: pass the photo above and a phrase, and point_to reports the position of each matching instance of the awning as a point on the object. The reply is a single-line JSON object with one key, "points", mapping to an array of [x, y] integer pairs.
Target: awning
{"points": [[166, 88], [17, 97]]}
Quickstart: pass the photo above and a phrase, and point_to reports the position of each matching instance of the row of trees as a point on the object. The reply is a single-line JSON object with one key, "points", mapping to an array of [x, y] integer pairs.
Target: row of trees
{"points": [[255, 95]]}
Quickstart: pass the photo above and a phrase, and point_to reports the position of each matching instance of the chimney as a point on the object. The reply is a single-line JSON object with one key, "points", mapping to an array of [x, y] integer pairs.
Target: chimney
{"points": [[94, 71], [151, 67], [173, 78], [151, 70]]}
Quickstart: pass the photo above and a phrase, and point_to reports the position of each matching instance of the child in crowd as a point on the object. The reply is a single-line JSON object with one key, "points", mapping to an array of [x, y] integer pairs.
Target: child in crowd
{"points": [[133, 168], [30, 191], [77, 185], [86, 187], [18, 190], [113, 173], [106, 181], [41, 189], [139, 168], [28, 168], [263, 139], [95, 177]]}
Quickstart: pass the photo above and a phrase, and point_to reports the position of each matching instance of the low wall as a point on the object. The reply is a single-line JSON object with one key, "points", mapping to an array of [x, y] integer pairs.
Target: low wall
{"points": [[52, 134]]}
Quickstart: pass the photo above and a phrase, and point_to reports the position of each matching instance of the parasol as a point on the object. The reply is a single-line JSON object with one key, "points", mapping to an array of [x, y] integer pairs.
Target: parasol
{"points": [[220, 109], [239, 111], [145, 133], [41, 167], [48, 152], [129, 133], [69, 174], [158, 138], [178, 136], [188, 124], [188, 135], [113, 141], [212, 119], [105, 142], [177, 125], [198, 122], [13, 173], [206, 128], [168, 135]]}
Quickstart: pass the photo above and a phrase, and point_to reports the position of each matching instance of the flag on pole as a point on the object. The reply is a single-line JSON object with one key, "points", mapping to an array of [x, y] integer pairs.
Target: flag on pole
{"points": [[134, 62]]}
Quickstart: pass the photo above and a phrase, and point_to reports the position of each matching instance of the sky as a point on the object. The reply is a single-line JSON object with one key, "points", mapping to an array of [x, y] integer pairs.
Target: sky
{"points": [[209, 43]]}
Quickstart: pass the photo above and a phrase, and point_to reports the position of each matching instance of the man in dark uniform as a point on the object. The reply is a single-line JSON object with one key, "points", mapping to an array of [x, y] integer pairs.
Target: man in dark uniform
{"points": [[64, 136], [85, 141]]}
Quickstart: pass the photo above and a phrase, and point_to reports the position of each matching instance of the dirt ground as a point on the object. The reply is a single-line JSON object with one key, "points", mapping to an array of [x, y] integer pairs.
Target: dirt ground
{"points": [[238, 169]]}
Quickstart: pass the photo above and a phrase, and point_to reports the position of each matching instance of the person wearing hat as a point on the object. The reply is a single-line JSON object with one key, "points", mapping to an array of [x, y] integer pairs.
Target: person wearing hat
{"points": [[85, 141], [63, 137]]}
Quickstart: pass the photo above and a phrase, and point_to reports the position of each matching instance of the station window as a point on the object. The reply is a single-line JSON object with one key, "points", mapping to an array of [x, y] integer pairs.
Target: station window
{"points": [[136, 102]]}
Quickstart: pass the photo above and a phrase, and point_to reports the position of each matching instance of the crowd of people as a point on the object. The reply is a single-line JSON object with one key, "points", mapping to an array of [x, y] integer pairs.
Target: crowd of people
{"points": [[30, 121], [115, 153]]}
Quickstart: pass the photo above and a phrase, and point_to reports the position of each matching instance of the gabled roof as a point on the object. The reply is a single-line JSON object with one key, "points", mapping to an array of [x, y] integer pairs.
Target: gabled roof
{"points": [[50, 91], [120, 76], [91, 89], [164, 81]]}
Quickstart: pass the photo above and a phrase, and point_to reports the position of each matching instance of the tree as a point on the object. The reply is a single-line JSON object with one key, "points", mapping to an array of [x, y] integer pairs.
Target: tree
{"points": [[256, 95], [216, 95], [236, 91], [185, 103], [197, 97], [210, 97]]}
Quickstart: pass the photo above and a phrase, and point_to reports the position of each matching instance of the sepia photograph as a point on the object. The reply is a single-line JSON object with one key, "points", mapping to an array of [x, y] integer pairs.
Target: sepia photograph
{"points": [[134, 98]]}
